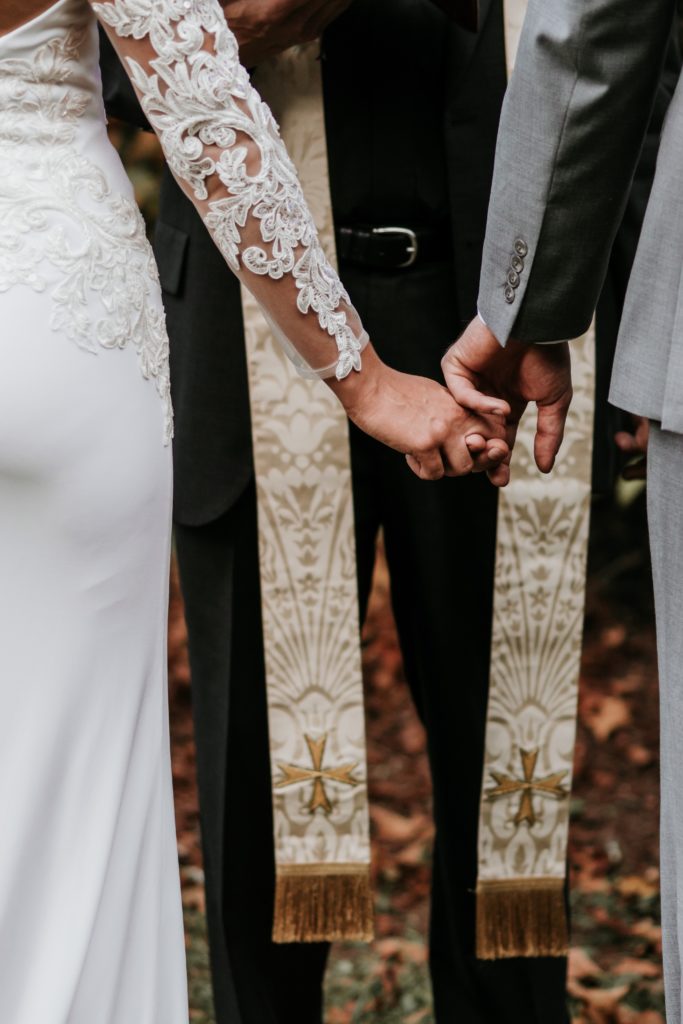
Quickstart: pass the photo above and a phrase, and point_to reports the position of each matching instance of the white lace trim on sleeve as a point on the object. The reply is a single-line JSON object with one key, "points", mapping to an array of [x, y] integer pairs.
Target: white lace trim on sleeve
{"points": [[200, 101]]}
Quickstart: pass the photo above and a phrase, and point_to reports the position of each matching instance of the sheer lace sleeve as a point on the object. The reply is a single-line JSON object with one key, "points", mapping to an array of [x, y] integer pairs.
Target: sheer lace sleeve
{"points": [[223, 145]]}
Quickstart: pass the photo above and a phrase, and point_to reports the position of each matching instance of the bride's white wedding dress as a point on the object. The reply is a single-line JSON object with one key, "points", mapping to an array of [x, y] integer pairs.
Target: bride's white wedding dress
{"points": [[90, 916]]}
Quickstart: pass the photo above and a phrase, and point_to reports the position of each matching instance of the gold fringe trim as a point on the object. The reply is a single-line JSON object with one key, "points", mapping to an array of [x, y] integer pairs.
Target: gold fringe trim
{"points": [[323, 903], [522, 917]]}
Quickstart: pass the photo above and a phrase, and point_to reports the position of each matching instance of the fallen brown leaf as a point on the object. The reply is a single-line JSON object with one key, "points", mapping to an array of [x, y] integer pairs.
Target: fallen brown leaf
{"points": [[581, 965], [628, 1016], [413, 738], [648, 930], [642, 968], [414, 952], [640, 756], [602, 1000], [605, 714], [636, 885], [414, 855], [193, 898], [396, 828], [337, 1015], [613, 636]]}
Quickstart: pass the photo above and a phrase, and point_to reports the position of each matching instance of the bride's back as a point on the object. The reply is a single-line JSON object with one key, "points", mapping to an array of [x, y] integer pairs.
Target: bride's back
{"points": [[49, 78], [71, 233]]}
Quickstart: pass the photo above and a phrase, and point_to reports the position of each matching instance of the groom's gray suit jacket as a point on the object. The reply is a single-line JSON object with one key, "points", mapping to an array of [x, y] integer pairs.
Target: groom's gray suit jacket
{"points": [[572, 128]]}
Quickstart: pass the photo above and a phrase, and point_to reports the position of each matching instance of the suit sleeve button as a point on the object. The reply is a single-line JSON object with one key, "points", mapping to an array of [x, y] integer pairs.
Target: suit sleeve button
{"points": [[513, 278], [521, 248], [517, 264], [509, 293]]}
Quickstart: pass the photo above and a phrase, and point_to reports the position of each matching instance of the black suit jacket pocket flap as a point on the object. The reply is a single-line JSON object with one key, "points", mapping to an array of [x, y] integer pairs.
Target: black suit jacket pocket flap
{"points": [[170, 249]]}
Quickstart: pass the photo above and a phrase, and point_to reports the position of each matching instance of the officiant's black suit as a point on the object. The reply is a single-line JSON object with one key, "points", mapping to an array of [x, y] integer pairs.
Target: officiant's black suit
{"points": [[412, 107]]}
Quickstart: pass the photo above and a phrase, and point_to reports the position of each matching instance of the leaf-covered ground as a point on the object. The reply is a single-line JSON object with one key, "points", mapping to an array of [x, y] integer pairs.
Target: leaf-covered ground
{"points": [[615, 973]]}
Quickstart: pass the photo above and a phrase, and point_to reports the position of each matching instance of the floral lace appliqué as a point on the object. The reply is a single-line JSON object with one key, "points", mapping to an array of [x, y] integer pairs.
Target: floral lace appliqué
{"points": [[57, 211], [203, 107]]}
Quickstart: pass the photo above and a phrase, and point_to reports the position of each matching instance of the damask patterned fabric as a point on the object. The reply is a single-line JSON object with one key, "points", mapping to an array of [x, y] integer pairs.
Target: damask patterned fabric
{"points": [[309, 586], [539, 598]]}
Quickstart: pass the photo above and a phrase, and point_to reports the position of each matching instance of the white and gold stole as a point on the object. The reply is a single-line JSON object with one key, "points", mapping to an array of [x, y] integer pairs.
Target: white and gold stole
{"points": [[308, 585], [539, 601]]}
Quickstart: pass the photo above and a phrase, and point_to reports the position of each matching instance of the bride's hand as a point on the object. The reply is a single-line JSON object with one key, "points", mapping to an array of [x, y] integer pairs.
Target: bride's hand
{"points": [[419, 417]]}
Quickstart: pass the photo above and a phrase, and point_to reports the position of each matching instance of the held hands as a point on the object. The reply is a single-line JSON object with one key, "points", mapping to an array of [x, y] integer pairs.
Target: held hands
{"points": [[477, 365], [472, 429], [264, 29], [418, 417]]}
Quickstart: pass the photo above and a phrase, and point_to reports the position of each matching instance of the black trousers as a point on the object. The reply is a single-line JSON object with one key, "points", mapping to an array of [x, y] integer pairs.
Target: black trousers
{"points": [[439, 541]]}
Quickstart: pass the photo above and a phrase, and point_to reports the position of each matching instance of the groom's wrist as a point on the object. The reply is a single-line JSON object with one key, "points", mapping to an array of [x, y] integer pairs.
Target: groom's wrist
{"points": [[491, 336], [553, 341]]}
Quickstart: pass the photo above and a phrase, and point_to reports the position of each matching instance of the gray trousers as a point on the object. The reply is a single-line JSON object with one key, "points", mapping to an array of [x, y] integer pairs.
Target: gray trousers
{"points": [[665, 506]]}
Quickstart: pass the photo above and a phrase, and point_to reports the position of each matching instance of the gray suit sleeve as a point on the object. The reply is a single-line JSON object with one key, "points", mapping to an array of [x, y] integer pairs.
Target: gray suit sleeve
{"points": [[572, 127]]}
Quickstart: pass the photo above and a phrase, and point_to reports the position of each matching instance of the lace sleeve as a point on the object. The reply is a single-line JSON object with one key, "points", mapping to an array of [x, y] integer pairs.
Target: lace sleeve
{"points": [[222, 144]]}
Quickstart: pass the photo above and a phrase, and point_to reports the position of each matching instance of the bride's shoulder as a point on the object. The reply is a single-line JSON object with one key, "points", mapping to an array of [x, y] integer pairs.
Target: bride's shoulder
{"points": [[16, 13]]}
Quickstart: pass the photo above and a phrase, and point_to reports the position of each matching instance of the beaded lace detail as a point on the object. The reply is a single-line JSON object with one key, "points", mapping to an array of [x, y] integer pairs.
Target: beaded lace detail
{"points": [[216, 131], [57, 211]]}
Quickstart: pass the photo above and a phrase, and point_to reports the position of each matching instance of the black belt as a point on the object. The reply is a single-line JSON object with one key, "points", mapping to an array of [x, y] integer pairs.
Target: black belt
{"points": [[392, 248]]}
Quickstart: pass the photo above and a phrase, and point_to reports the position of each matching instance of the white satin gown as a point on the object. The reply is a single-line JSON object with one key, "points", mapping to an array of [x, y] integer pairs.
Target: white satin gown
{"points": [[90, 913]]}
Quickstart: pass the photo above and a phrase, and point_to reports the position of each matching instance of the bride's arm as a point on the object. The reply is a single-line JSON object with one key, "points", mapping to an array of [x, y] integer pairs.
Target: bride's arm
{"points": [[223, 146]]}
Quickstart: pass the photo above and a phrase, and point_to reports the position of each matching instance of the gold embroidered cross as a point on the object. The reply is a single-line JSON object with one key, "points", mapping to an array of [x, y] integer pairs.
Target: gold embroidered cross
{"points": [[317, 775], [506, 785]]}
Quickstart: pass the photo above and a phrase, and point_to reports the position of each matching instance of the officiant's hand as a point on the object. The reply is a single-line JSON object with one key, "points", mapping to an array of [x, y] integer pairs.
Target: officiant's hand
{"points": [[418, 417], [518, 373], [264, 28]]}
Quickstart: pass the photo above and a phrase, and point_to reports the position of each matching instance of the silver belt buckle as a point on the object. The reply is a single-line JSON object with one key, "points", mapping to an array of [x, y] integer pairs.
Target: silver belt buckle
{"points": [[412, 246]]}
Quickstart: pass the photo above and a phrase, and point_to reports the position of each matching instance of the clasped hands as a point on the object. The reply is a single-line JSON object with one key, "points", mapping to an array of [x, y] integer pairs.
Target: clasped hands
{"points": [[517, 374], [470, 425]]}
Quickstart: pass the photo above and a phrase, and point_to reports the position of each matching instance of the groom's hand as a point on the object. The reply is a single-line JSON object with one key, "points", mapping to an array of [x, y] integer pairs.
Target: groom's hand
{"points": [[264, 28], [478, 365]]}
